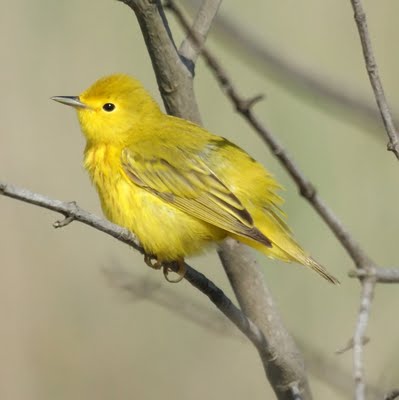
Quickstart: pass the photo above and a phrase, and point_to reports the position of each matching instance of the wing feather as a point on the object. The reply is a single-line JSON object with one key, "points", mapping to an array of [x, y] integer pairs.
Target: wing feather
{"points": [[193, 188]]}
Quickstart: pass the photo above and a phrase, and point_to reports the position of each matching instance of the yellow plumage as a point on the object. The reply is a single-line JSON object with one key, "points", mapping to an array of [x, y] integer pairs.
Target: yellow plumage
{"points": [[176, 186]]}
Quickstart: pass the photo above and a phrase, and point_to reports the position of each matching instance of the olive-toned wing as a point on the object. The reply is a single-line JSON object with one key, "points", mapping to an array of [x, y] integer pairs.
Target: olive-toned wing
{"points": [[189, 185]]}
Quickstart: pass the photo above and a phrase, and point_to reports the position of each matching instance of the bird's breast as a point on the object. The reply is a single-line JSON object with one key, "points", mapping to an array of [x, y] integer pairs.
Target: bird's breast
{"points": [[115, 191], [162, 229]]}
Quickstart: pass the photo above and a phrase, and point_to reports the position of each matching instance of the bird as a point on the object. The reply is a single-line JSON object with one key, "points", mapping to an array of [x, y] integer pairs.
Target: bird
{"points": [[177, 187]]}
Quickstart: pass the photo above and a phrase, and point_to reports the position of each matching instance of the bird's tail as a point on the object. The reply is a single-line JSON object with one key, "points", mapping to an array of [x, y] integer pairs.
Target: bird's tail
{"points": [[284, 247], [298, 256]]}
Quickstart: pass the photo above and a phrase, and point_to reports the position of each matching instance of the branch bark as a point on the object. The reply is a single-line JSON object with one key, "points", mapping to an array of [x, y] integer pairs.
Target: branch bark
{"points": [[190, 49], [380, 275], [367, 292], [374, 76]]}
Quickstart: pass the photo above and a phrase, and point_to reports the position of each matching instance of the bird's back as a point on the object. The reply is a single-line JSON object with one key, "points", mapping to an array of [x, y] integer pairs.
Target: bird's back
{"points": [[256, 188]]}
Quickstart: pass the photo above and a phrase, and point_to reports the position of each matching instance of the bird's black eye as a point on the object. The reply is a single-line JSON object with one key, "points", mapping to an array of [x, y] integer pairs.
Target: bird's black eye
{"points": [[109, 107]]}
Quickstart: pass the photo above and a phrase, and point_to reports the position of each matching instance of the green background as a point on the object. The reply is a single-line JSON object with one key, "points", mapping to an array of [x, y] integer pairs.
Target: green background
{"points": [[67, 330]]}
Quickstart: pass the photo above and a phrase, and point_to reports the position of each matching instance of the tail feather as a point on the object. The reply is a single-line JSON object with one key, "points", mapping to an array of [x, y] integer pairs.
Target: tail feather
{"points": [[321, 270], [297, 255], [271, 224]]}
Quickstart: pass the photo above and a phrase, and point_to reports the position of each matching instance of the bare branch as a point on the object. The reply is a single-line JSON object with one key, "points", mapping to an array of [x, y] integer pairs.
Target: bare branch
{"points": [[302, 81], [372, 70], [334, 374], [190, 49], [71, 211], [224, 304], [381, 275], [349, 345], [367, 292], [198, 280]]}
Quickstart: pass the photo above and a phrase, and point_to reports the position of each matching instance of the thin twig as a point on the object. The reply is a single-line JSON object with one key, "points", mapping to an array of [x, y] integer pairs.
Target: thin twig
{"points": [[376, 84], [303, 81], [190, 49], [224, 304], [381, 275], [349, 346], [333, 373], [71, 211], [366, 299], [198, 280]]}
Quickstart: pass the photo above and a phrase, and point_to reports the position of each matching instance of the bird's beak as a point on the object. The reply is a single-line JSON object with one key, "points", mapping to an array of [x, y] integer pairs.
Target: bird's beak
{"points": [[72, 101]]}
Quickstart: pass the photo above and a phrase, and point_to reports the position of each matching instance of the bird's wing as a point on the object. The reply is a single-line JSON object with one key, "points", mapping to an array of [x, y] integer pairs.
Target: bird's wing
{"points": [[185, 182]]}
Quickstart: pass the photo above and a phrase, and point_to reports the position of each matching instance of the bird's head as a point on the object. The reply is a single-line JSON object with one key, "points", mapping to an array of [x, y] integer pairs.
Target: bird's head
{"points": [[112, 109]]}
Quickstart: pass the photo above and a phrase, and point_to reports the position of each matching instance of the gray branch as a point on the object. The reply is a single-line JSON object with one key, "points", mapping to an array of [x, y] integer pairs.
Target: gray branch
{"points": [[72, 212], [190, 49], [372, 70], [302, 81], [381, 275], [368, 281], [359, 337]]}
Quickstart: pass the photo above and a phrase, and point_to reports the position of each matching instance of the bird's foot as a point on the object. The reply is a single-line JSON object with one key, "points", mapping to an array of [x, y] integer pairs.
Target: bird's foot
{"points": [[154, 263], [181, 271]]}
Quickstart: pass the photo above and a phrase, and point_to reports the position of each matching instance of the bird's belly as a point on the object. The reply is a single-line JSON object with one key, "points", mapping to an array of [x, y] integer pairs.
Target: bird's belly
{"points": [[163, 230]]}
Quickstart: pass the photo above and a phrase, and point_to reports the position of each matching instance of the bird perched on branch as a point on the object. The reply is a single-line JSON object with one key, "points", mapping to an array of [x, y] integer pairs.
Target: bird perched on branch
{"points": [[176, 186]]}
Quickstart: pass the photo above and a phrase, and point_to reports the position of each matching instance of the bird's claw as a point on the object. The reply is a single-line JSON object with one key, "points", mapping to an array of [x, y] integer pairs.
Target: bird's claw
{"points": [[154, 263], [181, 272]]}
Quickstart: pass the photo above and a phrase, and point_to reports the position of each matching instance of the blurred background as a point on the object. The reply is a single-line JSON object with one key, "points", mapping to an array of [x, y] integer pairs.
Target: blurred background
{"points": [[81, 316]]}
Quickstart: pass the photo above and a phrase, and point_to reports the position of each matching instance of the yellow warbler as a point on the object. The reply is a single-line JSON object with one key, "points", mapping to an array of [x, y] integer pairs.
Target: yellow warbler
{"points": [[176, 186]]}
